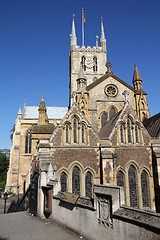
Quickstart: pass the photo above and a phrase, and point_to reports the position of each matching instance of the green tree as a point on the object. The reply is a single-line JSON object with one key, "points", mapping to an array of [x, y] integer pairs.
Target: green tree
{"points": [[12, 131], [4, 162]]}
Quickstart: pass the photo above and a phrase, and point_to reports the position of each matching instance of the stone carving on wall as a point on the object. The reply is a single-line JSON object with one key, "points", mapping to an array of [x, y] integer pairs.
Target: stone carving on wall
{"points": [[104, 207], [88, 49]]}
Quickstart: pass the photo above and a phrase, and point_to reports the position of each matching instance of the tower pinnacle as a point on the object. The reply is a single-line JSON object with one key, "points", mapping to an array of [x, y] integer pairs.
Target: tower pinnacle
{"points": [[73, 34], [102, 39]]}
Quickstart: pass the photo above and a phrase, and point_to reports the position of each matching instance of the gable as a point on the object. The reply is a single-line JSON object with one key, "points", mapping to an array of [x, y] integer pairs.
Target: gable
{"points": [[74, 130]]}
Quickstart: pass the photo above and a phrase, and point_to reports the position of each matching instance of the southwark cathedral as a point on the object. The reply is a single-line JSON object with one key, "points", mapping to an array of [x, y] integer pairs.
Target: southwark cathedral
{"points": [[105, 136]]}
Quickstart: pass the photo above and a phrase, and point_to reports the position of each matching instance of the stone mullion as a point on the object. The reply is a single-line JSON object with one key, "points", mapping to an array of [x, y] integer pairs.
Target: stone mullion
{"points": [[127, 189], [139, 191]]}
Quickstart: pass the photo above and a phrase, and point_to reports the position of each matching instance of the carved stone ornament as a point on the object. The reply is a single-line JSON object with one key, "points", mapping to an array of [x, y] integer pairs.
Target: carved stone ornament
{"points": [[111, 90], [104, 211]]}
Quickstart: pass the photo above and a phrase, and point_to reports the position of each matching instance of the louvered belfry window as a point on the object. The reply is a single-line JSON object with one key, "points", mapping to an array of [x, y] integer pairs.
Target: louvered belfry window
{"points": [[133, 186], [76, 180]]}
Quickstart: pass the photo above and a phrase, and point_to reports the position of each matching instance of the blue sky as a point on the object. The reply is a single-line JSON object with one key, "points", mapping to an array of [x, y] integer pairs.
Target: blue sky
{"points": [[35, 44]]}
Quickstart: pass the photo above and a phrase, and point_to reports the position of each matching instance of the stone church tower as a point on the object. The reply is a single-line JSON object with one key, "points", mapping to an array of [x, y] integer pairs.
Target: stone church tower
{"points": [[92, 60]]}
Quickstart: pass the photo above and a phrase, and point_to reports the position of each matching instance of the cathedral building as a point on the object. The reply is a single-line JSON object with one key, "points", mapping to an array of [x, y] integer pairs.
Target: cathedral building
{"points": [[103, 137]]}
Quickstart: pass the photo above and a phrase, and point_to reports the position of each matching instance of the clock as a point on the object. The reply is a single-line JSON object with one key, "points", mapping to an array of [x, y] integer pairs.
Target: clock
{"points": [[89, 62]]}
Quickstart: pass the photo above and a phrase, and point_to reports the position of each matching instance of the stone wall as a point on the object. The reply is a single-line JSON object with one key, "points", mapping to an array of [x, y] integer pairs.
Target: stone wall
{"points": [[105, 218]]}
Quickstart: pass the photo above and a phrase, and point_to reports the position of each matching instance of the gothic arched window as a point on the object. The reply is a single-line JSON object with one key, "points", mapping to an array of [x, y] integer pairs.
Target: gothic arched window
{"points": [[67, 128], [82, 133], [122, 133], [145, 188], [28, 142], [95, 64], [76, 180], [83, 63], [88, 184], [133, 186], [63, 181], [120, 179], [103, 119], [75, 130], [136, 133], [112, 113], [129, 130]]}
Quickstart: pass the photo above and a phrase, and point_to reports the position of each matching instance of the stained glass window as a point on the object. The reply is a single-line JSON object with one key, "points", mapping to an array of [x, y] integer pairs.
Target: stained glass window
{"points": [[112, 113], [26, 143], [103, 119], [63, 181], [129, 130], [120, 179], [136, 133], [66, 133], [75, 131], [82, 133], [121, 134], [145, 188], [132, 186], [76, 180], [88, 184]]}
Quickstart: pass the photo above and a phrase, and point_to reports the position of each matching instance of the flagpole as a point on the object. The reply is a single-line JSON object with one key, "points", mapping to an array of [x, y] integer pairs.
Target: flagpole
{"points": [[82, 28]]}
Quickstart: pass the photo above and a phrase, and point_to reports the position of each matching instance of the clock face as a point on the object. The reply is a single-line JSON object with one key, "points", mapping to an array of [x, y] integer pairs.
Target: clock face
{"points": [[89, 62], [111, 90]]}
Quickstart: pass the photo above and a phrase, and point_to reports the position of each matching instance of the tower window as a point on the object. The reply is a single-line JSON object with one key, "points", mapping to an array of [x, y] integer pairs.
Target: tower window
{"points": [[76, 180], [83, 63], [88, 184], [95, 64], [103, 119]]}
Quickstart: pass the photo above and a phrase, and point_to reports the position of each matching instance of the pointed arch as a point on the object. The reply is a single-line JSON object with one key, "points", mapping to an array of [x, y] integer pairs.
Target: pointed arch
{"points": [[112, 112], [76, 180], [95, 67], [63, 181], [83, 63], [120, 178], [88, 184], [145, 189], [132, 176], [104, 118]]}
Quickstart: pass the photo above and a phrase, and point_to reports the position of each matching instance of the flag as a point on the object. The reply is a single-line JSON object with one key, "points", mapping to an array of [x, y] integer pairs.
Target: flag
{"points": [[84, 19]]}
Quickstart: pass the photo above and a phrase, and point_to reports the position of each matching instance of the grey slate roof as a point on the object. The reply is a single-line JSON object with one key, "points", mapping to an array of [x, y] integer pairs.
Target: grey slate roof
{"points": [[152, 125], [31, 112]]}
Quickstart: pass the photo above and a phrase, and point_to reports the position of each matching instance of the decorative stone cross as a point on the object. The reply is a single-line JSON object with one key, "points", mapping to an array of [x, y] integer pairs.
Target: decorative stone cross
{"points": [[109, 65], [125, 93]]}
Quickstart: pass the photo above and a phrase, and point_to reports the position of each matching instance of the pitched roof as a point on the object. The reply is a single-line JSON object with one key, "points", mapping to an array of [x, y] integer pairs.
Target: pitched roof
{"points": [[107, 75], [153, 125], [107, 128], [31, 112]]}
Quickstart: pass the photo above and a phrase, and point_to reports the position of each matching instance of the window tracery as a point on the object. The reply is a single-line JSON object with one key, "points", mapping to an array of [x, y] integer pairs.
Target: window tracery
{"points": [[133, 186], [76, 180], [104, 118], [88, 184], [83, 63], [95, 64], [63, 181], [145, 188], [28, 142], [112, 113]]}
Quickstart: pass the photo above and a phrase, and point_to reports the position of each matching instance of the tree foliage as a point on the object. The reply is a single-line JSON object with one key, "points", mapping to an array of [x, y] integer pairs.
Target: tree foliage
{"points": [[4, 162]]}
